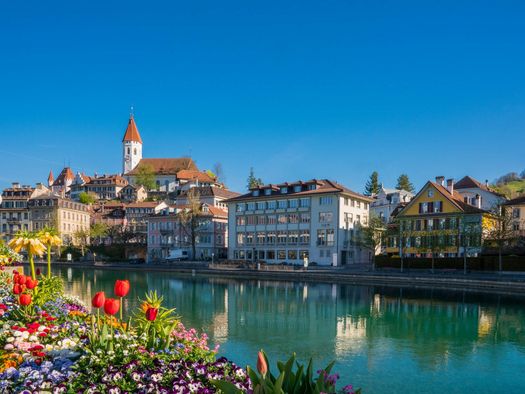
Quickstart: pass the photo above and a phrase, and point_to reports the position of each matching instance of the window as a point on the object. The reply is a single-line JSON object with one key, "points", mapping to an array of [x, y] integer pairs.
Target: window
{"points": [[284, 190], [358, 219], [271, 204], [281, 254], [267, 192], [358, 204], [281, 219], [305, 218], [304, 202], [251, 219], [297, 188], [250, 206], [346, 200], [249, 238], [255, 193], [321, 238], [293, 203], [349, 217], [293, 236], [270, 254], [261, 205], [330, 237], [293, 218], [261, 238], [515, 213], [270, 237], [313, 186], [282, 204], [241, 207], [261, 219], [281, 237], [304, 237], [303, 254], [271, 219], [292, 255], [325, 217], [241, 220], [430, 193], [326, 200]]}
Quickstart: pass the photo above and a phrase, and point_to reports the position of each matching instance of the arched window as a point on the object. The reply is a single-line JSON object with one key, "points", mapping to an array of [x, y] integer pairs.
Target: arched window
{"points": [[128, 150]]}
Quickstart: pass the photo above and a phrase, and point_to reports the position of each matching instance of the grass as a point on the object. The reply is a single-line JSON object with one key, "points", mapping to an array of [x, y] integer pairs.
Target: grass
{"points": [[512, 189]]}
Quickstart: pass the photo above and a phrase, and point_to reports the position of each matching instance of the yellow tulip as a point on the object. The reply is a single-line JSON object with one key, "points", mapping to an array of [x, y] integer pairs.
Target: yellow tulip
{"points": [[49, 238], [28, 241]]}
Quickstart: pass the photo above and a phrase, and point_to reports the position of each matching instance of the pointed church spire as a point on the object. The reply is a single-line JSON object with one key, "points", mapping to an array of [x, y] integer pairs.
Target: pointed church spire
{"points": [[132, 133], [50, 178]]}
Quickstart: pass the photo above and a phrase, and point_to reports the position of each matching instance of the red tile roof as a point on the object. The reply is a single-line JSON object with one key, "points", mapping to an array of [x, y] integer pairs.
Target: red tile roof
{"points": [[65, 175], [132, 133], [195, 175], [170, 166]]}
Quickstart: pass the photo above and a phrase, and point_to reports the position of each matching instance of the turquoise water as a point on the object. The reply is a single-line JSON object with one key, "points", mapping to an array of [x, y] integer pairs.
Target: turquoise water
{"points": [[385, 340]]}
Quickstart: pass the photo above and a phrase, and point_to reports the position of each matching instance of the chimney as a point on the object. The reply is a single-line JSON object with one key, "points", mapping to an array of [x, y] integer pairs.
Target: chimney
{"points": [[15, 185], [440, 180], [487, 183], [478, 201], [450, 186]]}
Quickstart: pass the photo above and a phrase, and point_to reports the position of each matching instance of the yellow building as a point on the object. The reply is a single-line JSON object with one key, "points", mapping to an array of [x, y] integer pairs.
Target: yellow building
{"points": [[438, 221], [516, 208]]}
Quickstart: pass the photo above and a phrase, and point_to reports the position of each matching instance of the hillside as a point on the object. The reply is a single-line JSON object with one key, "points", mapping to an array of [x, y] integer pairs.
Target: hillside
{"points": [[511, 189]]}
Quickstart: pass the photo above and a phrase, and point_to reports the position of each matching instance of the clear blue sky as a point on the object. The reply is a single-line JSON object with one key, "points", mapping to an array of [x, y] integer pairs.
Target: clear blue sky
{"points": [[296, 89]]}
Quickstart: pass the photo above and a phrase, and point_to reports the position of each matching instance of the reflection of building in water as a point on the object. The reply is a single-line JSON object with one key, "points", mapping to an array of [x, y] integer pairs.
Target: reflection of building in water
{"points": [[350, 335], [485, 322], [220, 322]]}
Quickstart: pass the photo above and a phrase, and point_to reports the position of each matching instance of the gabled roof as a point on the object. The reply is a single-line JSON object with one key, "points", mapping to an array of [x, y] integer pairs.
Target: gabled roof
{"points": [[467, 182], [199, 176], [208, 191], [169, 166], [65, 175], [132, 132], [456, 199], [516, 201], [322, 186], [50, 178]]}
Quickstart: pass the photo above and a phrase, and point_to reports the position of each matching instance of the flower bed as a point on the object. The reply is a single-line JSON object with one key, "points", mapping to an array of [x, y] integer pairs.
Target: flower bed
{"points": [[51, 343]]}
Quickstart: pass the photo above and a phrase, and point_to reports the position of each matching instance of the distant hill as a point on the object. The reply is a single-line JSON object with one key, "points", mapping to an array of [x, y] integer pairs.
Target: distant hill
{"points": [[511, 189]]}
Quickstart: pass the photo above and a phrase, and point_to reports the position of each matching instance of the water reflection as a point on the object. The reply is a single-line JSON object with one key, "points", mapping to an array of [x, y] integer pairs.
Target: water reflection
{"points": [[375, 332]]}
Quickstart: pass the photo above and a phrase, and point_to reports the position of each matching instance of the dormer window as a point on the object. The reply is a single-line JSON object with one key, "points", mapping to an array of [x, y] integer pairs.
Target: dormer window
{"points": [[284, 190], [267, 192], [297, 188], [313, 186], [255, 193]]}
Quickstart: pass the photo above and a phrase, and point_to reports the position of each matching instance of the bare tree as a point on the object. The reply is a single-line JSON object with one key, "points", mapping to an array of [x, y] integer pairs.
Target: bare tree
{"points": [[219, 172], [434, 244], [189, 217], [500, 232], [406, 233], [370, 236], [469, 237]]}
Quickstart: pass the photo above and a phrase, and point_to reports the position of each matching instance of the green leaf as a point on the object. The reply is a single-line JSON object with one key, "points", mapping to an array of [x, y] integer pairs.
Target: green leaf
{"points": [[225, 387]]}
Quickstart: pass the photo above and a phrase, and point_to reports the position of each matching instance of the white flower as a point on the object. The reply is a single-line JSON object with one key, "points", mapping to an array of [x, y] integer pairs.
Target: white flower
{"points": [[10, 339], [9, 347], [33, 338]]}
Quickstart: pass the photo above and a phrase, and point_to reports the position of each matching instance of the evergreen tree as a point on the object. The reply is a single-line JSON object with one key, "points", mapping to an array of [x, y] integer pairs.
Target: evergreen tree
{"points": [[252, 181], [403, 183], [372, 185]]}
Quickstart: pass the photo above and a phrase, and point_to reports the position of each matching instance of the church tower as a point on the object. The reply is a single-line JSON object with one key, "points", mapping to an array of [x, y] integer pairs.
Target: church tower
{"points": [[131, 147]]}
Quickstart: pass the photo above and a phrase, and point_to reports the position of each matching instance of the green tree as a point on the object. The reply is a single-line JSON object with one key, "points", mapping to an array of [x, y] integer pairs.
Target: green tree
{"points": [[189, 217], [252, 181], [370, 236], [372, 185], [146, 177], [97, 231], [87, 198], [403, 183]]}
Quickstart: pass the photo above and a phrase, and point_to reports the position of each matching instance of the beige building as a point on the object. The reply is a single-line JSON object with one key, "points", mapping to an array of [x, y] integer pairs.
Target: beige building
{"points": [[51, 210], [516, 208]]}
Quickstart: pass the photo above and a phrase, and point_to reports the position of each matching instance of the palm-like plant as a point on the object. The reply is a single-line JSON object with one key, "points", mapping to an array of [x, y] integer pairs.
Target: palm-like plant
{"points": [[30, 242], [49, 237]]}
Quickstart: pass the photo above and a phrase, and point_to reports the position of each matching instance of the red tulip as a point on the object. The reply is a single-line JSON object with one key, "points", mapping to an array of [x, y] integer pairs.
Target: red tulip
{"points": [[38, 271], [262, 366], [121, 288], [30, 283], [111, 306], [17, 289], [151, 314], [98, 300], [21, 279], [25, 299]]}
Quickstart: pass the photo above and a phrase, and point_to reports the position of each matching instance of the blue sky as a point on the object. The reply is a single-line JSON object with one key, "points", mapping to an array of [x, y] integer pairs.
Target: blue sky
{"points": [[296, 89]]}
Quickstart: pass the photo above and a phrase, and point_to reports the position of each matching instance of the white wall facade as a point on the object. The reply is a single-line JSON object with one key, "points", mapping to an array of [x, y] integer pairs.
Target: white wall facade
{"points": [[131, 155]]}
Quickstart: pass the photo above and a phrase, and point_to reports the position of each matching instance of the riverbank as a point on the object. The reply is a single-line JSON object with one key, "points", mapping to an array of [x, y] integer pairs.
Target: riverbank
{"points": [[494, 282]]}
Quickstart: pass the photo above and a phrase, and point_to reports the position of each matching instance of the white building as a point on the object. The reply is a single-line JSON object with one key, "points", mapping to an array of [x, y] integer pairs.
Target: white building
{"points": [[476, 193], [131, 147], [387, 200], [316, 219]]}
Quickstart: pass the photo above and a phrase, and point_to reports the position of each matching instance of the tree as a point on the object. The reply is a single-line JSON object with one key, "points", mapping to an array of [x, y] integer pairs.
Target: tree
{"points": [[252, 181], [87, 198], [189, 217], [469, 237], [405, 231], [219, 172], [370, 236], [403, 183], [434, 243], [97, 231], [81, 238], [146, 176], [501, 232], [372, 185]]}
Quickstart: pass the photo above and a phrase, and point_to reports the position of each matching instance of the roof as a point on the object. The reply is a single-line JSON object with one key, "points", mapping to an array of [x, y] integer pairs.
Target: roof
{"points": [[322, 186], [215, 211], [65, 175], [516, 201], [195, 175], [143, 204], [111, 178], [50, 178], [132, 133], [467, 182], [208, 191], [456, 199], [169, 166]]}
